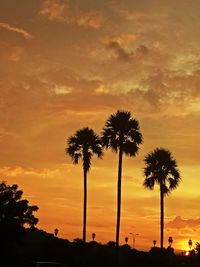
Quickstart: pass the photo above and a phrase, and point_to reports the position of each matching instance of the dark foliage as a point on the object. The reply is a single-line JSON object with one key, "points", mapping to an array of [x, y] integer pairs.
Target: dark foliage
{"points": [[15, 214], [84, 144], [38, 245], [122, 131], [161, 168]]}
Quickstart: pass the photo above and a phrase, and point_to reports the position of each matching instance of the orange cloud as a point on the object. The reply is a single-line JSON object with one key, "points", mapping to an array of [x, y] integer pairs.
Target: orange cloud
{"points": [[18, 170], [123, 39], [22, 32], [123, 55], [178, 223], [56, 10], [53, 10], [91, 20]]}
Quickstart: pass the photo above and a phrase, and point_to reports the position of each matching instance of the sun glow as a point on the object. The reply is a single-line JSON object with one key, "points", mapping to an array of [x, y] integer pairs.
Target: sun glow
{"points": [[183, 245]]}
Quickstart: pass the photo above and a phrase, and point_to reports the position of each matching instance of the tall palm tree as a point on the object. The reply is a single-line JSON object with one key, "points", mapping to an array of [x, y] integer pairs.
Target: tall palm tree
{"points": [[122, 134], [161, 168], [83, 145]]}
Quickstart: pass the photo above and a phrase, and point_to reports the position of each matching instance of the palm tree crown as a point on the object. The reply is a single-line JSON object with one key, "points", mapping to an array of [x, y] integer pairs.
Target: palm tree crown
{"points": [[83, 145], [161, 168], [121, 131]]}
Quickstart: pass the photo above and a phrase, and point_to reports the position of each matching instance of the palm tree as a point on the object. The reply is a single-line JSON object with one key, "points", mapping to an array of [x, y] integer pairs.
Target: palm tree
{"points": [[122, 134], [161, 168], [83, 145]]}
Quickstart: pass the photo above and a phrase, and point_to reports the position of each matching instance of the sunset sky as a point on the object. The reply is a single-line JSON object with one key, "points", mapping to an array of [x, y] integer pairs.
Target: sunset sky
{"points": [[66, 64]]}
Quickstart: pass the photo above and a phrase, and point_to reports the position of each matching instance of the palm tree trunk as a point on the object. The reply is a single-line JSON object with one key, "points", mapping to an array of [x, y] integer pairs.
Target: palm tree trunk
{"points": [[161, 217], [119, 196], [84, 206]]}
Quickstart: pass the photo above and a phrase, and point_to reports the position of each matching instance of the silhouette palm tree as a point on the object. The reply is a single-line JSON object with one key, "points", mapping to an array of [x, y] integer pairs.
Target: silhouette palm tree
{"points": [[83, 145], [161, 168], [122, 134]]}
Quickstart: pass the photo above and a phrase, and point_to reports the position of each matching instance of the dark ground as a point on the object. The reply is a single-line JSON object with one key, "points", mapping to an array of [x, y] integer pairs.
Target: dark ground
{"points": [[37, 245]]}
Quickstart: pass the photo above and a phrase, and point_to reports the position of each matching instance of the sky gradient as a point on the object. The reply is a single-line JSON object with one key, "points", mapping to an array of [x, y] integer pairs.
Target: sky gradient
{"points": [[70, 64]]}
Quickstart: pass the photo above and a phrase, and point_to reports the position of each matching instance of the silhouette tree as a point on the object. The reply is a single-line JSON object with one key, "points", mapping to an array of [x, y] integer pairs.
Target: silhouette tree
{"points": [[126, 239], [170, 241], [154, 242], [56, 232], [122, 134], [93, 236], [190, 244], [111, 244], [197, 248], [161, 169], [15, 213], [84, 144]]}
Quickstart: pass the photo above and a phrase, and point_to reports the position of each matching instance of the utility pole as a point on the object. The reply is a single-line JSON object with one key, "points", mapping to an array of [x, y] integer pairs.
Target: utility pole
{"points": [[134, 238]]}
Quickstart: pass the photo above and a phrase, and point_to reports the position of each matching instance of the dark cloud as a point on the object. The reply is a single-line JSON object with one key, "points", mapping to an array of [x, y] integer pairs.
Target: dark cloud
{"points": [[179, 223], [123, 55], [120, 53], [165, 89]]}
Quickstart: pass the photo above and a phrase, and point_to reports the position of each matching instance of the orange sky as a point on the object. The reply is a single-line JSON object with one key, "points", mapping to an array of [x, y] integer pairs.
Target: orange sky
{"points": [[69, 64]]}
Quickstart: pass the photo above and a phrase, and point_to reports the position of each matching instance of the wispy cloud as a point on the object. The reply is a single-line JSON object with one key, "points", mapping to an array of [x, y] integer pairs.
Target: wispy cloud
{"points": [[18, 170], [21, 31], [179, 223], [55, 10], [90, 20]]}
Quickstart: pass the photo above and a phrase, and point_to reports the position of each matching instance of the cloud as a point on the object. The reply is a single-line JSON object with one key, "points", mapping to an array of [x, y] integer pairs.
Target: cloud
{"points": [[22, 32], [61, 90], [133, 15], [10, 53], [20, 171], [121, 39], [179, 223], [123, 55], [90, 20], [53, 10], [16, 54], [56, 10], [120, 53]]}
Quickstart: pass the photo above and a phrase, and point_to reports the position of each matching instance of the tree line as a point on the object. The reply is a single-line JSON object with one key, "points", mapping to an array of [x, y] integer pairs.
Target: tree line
{"points": [[121, 133]]}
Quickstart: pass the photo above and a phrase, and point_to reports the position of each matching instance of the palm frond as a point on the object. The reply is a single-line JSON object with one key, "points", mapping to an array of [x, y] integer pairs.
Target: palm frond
{"points": [[149, 183], [122, 131], [84, 144], [162, 168]]}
